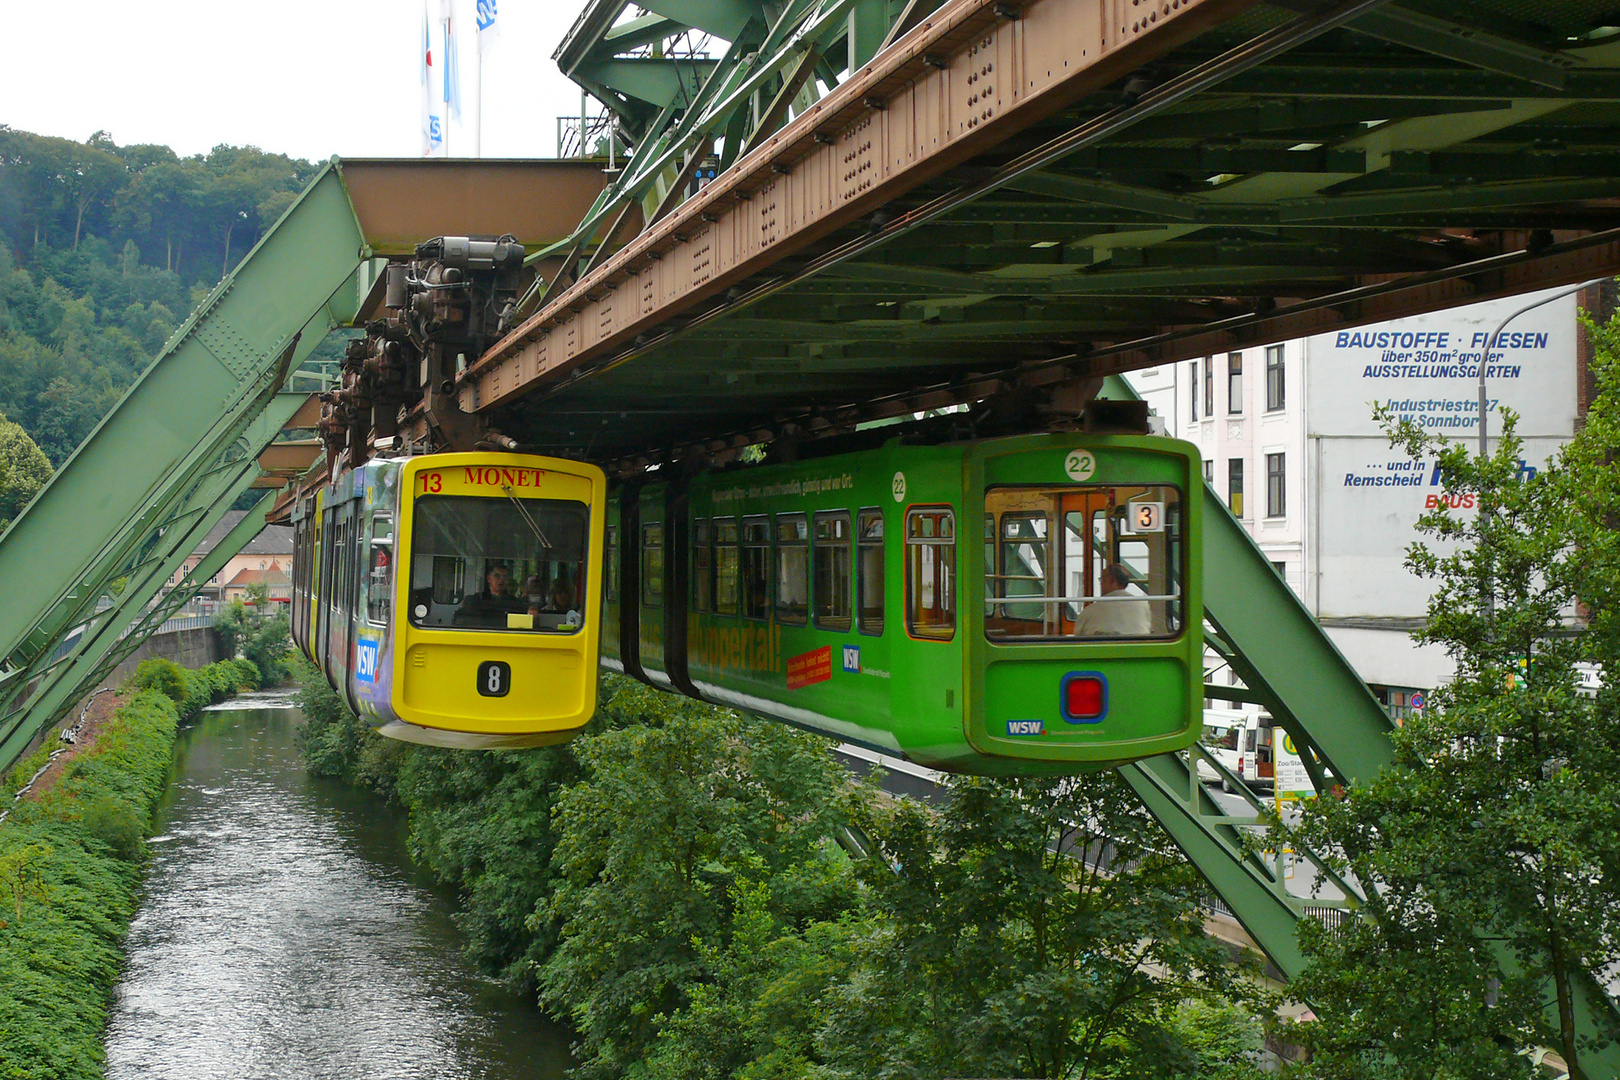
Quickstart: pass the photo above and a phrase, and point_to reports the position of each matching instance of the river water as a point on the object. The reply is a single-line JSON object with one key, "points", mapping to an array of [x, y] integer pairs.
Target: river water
{"points": [[285, 934]]}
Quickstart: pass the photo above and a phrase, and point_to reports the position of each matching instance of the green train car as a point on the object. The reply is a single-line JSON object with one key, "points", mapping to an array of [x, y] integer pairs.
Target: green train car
{"points": [[1017, 606]]}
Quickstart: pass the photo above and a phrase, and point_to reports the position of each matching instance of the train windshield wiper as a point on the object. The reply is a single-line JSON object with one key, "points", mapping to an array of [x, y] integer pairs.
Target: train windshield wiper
{"points": [[534, 526]]}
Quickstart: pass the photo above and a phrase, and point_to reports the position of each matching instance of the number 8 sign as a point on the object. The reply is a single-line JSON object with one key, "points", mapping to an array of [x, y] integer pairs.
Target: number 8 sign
{"points": [[494, 678]]}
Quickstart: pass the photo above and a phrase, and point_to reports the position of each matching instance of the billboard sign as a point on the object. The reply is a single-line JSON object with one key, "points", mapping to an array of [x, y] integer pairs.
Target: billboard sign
{"points": [[1427, 368], [1370, 498]]}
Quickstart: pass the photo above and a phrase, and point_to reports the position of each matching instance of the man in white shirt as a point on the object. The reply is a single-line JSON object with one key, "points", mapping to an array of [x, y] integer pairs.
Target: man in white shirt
{"points": [[1117, 613]]}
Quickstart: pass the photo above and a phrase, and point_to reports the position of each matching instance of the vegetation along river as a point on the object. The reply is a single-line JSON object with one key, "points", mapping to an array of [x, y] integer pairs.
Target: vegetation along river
{"points": [[284, 933]]}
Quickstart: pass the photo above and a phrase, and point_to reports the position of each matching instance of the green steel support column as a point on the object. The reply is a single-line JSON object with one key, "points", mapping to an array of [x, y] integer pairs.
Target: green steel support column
{"points": [[65, 679], [1281, 652], [1286, 659], [211, 368], [1258, 904]]}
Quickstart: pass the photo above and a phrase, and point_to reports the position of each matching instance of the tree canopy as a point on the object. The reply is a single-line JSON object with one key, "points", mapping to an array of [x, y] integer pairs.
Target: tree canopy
{"points": [[1490, 856], [103, 251]]}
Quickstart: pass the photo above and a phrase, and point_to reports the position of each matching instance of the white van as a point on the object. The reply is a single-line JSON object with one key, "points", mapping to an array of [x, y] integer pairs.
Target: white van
{"points": [[1223, 738]]}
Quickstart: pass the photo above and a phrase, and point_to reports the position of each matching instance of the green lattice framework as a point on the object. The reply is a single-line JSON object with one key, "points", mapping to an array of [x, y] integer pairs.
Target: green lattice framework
{"points": [[84, 569], [676, 105]]}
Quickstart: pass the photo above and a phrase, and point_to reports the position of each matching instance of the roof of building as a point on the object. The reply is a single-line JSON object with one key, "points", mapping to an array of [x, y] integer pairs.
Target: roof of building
{"points": [[272, 539], [272, 576]]}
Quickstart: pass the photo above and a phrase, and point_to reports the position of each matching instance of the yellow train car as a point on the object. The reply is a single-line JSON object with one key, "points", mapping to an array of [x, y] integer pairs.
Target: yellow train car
{"points": [[451, 597]]}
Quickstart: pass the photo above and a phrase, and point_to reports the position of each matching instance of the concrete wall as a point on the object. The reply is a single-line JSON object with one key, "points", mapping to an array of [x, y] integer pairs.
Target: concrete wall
{"points": [[193, 648]]}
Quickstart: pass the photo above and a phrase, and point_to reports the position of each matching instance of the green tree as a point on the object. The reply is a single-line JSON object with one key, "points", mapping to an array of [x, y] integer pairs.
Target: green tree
{"points": [[22, 873], [1008, 948], [1491, 852], [258, 633], [677, 810], [23, 470]]}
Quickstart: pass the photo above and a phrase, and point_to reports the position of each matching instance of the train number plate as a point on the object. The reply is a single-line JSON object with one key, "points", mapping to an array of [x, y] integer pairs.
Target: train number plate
{"points": [[494, 678]]}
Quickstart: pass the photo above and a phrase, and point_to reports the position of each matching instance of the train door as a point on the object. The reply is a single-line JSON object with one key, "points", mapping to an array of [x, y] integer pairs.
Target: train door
{"points": [[323, 594], [610, 647], [653, 575], [1087, 548]]}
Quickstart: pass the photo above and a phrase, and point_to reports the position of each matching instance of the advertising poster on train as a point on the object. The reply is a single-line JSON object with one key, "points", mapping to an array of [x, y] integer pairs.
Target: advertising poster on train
{"points": [[1427, 368], [1366, 519]]}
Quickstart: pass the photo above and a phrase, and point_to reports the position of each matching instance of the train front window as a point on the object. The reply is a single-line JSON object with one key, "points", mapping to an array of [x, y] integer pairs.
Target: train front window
{"points": [[498, 564], [1084, 561]]}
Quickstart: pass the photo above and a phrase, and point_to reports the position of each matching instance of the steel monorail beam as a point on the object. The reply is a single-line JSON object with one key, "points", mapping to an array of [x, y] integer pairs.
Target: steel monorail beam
{"points": [[965, 79]]}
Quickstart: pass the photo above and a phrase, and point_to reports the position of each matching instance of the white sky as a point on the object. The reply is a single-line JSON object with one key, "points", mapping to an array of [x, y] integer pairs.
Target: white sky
{"points": [[306, 79]]}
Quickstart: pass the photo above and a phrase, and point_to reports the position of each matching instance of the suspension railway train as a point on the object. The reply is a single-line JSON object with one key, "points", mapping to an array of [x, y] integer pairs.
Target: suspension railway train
{"points": [[827, 593]]}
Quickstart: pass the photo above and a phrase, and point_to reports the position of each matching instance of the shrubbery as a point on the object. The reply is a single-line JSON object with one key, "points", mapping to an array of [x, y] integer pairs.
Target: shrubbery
{"points": [[675, 883], [70, 868]]}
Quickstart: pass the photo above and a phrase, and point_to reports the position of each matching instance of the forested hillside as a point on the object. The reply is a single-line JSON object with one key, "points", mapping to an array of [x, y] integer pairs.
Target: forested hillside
{"points": [[104, 250]]}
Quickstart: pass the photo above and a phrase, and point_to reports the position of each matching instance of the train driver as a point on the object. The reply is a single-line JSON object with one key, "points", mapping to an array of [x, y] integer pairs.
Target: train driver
{"points": [[1117, 613], [490, 607]]}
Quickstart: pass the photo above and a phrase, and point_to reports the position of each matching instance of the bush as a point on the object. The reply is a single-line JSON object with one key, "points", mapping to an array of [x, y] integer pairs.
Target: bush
{"points": [[164, 676], [247, 674], [69, 871], [114, 822]]}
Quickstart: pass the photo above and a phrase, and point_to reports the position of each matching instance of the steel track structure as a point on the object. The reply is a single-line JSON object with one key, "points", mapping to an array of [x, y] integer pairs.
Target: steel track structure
{"points": [[918, 205], [985, 202]]}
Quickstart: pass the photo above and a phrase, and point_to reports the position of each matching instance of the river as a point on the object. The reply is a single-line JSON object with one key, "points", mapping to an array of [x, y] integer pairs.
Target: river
{"points": [[284, 933]]}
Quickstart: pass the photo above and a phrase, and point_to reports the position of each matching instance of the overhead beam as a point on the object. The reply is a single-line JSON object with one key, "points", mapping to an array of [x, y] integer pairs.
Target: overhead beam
{"points": [[747, 203]]}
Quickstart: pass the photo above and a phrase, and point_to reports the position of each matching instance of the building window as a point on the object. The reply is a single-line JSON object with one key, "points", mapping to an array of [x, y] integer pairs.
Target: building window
{"points": [[1281, 568], [1209, 471], [1192, 387], [1274, 378], [1209, 386], [1276, 489], [1234, 485], [1234, 382]]}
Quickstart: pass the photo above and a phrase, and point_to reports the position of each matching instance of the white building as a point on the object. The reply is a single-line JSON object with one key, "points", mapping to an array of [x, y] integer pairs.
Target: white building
{"points": [[1289, 440]]}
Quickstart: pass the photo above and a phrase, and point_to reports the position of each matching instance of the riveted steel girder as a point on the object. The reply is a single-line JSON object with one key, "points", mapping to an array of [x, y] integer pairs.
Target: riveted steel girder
{"points": [[56, 680], [214, 375]]}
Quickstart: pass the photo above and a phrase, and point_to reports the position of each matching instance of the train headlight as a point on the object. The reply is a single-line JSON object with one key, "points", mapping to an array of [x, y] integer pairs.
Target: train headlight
{"points": [[1084, 697]]}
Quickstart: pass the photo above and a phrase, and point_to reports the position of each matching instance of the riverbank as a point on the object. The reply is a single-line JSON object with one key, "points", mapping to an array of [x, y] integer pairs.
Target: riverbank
{"points": [[72, 853]]}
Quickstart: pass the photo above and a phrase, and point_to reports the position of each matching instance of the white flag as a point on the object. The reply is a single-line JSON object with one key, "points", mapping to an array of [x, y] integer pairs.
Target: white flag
{"points": [[452, 66], [432, 121], [488, 28]]}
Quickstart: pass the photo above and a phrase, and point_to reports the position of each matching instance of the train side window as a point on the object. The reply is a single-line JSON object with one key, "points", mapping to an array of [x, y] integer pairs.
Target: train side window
{"points": [[931, 573], [702, 579], [380, 577], [792, 569], [725, 566], [832, 567], [652, 566], [754, 583], [869, 541], [610, 577]]}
